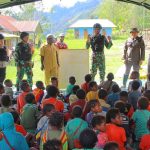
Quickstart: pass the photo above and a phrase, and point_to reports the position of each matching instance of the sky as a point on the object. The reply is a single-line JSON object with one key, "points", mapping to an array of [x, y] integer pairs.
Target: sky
{"points": [[48, 4]]}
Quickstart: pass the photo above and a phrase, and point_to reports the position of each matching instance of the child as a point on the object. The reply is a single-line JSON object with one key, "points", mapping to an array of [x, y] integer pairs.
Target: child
{"points": [[111, 146], [125, 120], [69, 88], [135, 94], [85, 85], [55, 130], [8, 87], [147, 95], [99, 125], [74, 127], [92, 94], [39, 92], [102, 95], [73, 97], [95, 109], [2, 91], [129, 110], [19, 128], [88, 139], [21, 98], [52, 145], [4, 57], [54, 81], [5, 103], [145, 140], [107, 85], [29, 114], [140, 118], [135, 77], [52, 93], [147, 84], [114, 96], [114, 131]]}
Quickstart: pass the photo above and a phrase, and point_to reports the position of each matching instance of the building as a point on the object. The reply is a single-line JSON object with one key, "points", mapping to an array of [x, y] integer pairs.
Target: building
{"points": [[84, 27]]}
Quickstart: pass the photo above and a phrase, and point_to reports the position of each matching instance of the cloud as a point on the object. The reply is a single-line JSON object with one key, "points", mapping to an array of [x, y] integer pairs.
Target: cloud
{"points": [[46, 5]]}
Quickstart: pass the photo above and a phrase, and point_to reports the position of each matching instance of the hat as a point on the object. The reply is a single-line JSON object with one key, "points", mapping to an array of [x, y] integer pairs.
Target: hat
{"points": [[61, 34], [23, 34], [134, 30], [49, 35], [97, 25]]}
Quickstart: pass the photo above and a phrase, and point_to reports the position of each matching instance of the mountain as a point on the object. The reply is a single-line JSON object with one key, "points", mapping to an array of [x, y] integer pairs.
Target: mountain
{"points": [[61, 18]]}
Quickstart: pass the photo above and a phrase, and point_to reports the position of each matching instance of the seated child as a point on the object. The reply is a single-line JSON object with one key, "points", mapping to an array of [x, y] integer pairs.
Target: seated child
{"points": [[88, 139], [19, 128], [21, 98], [102, 95], [74, 127], [99, 126], [129, 110], [147, 95], [52, 93], [135, 94], [114, 96], [52, 145], [56, 130], [107, 85], [114, 131], [85, 85], [93, 93], [95, 109], [140, 118], [73, 97], [69, 88], [8, 87], [147, 84], [111, 146], [39, 92], [29, 114], [125, 120], [2, 91], [54, 81], [145, 144], [5, 104], [135, 77]]}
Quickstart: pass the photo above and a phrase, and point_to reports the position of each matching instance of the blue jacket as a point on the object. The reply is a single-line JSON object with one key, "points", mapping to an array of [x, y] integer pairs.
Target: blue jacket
{"points": [[16, 140]]}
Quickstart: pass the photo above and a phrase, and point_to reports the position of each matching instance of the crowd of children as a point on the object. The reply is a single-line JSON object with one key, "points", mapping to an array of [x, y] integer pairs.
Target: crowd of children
{"points": [[87, 116]]}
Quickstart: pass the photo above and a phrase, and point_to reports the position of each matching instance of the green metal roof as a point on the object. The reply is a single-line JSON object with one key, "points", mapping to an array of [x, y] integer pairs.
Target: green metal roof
{"points": [[9, 3], [144, 3]]}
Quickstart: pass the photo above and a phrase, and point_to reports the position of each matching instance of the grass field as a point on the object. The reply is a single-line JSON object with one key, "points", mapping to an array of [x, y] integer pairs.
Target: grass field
{"points": [[113, 59]]}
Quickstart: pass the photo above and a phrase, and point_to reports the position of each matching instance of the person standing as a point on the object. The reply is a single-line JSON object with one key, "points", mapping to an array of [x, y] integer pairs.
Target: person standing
{"points": [[49, 59], [134, 53], [60, 44], [97, 43], [4, 57], [23, 57]]}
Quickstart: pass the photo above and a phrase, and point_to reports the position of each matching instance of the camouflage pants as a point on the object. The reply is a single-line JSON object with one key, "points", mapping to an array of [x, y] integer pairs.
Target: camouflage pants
{"points": [[24, 69], [98, 62]]}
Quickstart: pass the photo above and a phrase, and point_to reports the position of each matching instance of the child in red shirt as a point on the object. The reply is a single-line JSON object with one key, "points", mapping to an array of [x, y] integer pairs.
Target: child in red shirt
{"points": [[39, 91], [21, 98], [114, 131]]}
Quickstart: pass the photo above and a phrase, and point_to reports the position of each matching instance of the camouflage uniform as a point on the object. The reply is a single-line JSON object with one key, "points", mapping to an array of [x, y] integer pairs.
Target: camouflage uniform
{"points": [[98, 57], [23, 56]]}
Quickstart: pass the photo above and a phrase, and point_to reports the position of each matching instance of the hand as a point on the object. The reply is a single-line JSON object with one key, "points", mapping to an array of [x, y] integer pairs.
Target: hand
{"points": [[109, 38], [141, 62], [42, 67]]}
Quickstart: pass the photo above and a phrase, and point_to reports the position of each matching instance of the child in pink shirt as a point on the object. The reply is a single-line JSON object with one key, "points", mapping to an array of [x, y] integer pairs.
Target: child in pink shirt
{"points": [[99, 126]]}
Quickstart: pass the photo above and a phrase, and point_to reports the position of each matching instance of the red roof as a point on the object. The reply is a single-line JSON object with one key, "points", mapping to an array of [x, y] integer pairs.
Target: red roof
{"points": [[13, 25]]}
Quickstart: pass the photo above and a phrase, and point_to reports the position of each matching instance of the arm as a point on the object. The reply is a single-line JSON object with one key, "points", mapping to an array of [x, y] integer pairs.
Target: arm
{"points": [[57, 57], [42, 64], [108, 42], [125, 50], [17, 54], [142, 46]]}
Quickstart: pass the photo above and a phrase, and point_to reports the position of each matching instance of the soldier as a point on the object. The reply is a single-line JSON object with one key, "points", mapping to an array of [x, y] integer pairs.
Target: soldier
{"points": [[23, 57], [134, 53], [98, 42], [49, 59], [4, 57]]}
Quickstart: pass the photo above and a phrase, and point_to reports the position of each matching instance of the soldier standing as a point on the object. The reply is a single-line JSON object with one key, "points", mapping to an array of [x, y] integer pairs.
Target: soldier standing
{"points": [[23, 57], [98, 42], [134, 53]]}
